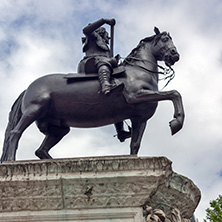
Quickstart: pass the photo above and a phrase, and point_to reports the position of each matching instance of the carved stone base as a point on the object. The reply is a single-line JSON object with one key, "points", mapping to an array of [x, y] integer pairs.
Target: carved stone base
{"points": [[95, 189]]}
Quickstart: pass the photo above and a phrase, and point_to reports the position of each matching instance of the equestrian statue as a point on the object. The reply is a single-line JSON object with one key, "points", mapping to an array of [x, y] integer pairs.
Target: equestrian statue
{"points": [[105, 90]]}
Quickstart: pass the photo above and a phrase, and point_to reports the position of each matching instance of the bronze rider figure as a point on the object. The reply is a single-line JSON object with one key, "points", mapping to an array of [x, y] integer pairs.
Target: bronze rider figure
{"points": [[99, 59]]}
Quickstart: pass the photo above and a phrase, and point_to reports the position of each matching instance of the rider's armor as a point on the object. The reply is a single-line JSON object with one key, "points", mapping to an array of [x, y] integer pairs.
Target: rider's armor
{"points": [[97, 55]]}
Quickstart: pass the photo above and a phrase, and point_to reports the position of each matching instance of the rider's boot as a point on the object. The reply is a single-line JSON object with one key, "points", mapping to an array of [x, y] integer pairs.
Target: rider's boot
{"points": [[104, 78], [121, 133]]}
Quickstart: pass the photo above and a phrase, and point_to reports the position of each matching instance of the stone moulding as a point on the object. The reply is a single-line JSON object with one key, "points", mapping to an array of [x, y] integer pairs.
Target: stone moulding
{"points": [[97, 183], [89, 215]]}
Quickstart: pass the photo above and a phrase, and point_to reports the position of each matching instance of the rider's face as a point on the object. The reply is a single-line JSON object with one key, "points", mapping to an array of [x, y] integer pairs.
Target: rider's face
{"points": [[106, 37]]}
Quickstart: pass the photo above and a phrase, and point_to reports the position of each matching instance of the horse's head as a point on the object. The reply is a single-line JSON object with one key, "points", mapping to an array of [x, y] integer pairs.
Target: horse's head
{"points": [[163, 48]]}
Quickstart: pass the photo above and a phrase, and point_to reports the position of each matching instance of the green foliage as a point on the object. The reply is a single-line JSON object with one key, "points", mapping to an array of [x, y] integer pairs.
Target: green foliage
{"points": [[214, 213]]}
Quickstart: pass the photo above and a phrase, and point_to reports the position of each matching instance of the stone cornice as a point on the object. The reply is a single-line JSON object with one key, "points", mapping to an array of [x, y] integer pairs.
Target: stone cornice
{"points": [[95, 183], [81, 166]]}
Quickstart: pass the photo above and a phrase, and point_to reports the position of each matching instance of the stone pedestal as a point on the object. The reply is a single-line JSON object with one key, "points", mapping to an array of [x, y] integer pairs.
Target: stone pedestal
{"points": [[108, 189]]}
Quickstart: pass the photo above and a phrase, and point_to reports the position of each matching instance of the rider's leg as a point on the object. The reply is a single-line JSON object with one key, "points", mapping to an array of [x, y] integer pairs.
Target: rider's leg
{"points": [[104, 78], [121, 133]]}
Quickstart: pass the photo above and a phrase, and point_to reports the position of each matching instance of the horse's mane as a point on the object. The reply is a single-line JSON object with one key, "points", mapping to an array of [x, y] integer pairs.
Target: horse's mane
{"points": [[141, 44]]}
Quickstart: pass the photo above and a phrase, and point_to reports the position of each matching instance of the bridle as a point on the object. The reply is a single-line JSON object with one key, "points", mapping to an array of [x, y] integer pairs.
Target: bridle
{"points": [[168, 72]]}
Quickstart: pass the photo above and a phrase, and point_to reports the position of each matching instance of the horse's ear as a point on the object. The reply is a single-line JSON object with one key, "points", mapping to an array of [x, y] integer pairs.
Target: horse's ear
{"points": [[156, 30]]}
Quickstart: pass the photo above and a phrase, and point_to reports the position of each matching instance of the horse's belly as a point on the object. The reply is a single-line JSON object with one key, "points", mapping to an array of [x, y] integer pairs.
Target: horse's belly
{"points": [[86, 109], [80, 104]]}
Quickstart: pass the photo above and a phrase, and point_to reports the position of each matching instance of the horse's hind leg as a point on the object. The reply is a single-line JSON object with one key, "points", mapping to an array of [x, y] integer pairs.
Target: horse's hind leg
{"points": [[28, 117], [53, 136], [138, 128]]}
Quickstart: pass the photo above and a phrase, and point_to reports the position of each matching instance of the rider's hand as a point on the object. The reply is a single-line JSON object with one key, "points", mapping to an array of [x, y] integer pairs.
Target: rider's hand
{"points": [[111, 22]]}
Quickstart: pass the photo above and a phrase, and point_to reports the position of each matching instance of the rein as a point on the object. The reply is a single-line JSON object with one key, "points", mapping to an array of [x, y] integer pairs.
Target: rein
{"points": [[169, 73]]}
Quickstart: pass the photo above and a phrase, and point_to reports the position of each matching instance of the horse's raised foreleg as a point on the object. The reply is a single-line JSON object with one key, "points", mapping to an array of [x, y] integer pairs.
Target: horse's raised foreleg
{"points": [[138, 128], [154, 96], [54, 135]]}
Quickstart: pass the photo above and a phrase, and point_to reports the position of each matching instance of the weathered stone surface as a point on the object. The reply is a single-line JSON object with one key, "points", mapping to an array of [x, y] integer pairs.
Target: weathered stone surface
{"points": [[98, 183]]}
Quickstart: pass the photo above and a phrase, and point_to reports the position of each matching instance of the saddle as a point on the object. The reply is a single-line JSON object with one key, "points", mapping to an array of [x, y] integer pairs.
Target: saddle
{"points": [[118, 71]]}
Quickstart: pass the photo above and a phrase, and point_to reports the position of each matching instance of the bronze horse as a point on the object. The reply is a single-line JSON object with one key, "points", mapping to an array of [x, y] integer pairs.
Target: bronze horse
{"points": [[56, 103]]}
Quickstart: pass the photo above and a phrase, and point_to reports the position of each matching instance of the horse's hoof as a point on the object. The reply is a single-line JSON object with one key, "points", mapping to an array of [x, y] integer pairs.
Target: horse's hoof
{"points": [[42, 154], [175, 126]]}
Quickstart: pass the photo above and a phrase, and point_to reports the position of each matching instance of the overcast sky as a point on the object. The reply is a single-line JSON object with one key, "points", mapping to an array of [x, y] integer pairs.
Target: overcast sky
{"points": [[39, 37]]}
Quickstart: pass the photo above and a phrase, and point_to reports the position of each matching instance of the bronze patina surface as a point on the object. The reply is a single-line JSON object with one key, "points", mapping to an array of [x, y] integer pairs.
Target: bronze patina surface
{"points": [[57, 103]]}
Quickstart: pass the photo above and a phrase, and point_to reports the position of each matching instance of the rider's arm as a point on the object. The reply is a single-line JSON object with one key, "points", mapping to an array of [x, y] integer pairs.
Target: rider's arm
{"points": [[95, 25]]}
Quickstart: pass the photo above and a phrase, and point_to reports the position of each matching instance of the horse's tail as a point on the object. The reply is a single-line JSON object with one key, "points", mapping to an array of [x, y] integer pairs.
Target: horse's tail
{"points": [[14, 117]]}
